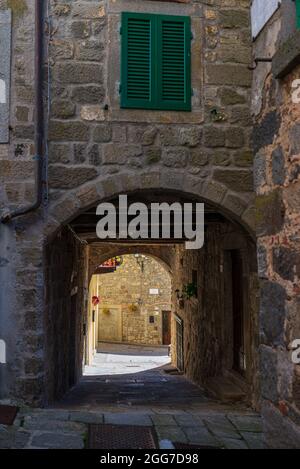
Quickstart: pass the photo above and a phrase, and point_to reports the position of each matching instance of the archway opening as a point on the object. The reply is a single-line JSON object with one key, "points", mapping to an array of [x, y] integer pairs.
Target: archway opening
{"points": [[129, 316], [214, 320]]}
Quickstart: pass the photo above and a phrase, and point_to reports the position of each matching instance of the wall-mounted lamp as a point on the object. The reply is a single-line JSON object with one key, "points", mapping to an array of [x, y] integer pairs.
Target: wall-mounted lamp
{"points": [[140, 259]]}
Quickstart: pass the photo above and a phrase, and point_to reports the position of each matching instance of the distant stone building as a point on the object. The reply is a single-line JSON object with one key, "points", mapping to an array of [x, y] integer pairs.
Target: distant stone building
{"points": [[132, 302]]}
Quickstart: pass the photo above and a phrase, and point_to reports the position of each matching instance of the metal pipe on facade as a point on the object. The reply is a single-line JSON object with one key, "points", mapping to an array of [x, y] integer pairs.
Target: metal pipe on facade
{"points": [[39, 118]]}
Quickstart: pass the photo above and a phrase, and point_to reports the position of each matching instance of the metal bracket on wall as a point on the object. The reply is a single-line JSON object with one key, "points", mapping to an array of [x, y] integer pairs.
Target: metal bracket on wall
{"points": [[259, 60]]}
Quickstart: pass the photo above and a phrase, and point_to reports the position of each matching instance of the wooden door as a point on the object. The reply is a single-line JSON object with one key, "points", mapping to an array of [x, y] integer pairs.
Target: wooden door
{"points": [[238, 312], [179, 344], [166, 327], [72, 341]]}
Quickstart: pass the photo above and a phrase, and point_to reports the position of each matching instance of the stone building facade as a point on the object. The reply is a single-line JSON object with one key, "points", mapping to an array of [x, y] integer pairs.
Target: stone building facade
{"points": [[132, 301], [276, 110], [93, 151]]}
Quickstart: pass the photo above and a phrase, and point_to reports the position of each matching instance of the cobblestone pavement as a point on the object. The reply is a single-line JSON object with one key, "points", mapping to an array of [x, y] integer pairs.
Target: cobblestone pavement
{"points": [[177, 409], [131, 376], [62, 429]]}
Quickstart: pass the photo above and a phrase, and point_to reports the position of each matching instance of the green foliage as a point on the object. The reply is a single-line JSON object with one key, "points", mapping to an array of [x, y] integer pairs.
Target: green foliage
{"points": [[190, 291]]}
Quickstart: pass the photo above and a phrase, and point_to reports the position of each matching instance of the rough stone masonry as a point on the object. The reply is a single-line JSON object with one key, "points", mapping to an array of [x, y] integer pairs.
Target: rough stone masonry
{"points": [[276, 172], [95, 150]]}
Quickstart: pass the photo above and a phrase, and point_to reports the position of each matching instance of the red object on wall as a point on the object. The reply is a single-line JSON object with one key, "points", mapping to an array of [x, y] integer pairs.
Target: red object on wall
{"points": [[95, 300]]}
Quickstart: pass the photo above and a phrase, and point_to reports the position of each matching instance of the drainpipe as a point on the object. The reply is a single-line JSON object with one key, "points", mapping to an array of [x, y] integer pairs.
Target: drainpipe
{"points": [[39, 118]]}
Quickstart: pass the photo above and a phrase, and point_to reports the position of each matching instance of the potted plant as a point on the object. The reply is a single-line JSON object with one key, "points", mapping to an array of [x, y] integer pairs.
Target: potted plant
{"points": [[190, 290], [133, 308]]}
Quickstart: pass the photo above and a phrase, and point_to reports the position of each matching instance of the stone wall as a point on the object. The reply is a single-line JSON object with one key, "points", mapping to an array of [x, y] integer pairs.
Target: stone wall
{"points": [[66, 312], [91, 137], [208, 319], [276, 140], [125, 287], [95, 151]]}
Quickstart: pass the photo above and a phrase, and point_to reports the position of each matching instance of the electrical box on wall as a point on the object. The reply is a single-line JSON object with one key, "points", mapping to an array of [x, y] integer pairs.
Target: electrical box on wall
{"points": [[5, 61], [261, 12]]}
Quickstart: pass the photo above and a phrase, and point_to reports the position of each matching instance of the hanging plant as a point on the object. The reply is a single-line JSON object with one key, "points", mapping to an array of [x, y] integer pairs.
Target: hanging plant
{"points": [[133, 308], [95, 300], [190, 291]]}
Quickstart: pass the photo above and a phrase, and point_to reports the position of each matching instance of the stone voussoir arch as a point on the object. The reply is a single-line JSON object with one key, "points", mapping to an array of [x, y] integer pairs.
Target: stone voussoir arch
{"points": [[234, 206], [100, 255]]}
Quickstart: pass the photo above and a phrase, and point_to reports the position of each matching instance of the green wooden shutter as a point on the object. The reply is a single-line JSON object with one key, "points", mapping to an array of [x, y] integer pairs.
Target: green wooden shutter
{"points": [[136, 74], [156, 68], [298, 13], [174, 64]]}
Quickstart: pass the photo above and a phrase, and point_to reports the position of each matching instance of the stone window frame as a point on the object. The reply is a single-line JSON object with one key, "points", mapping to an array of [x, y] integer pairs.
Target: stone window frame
{"points": [[115, 113]]}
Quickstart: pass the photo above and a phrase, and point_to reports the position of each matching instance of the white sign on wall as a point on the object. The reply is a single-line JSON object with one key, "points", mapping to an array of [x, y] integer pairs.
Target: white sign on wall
{"points": [[5, 59], [2, 352], [261, 12]]}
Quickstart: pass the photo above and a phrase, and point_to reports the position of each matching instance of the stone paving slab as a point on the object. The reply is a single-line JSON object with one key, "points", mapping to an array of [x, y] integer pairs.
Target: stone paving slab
{"points": [[222, 427], [187, 420], [230, 443], [33, 423], [247, 424], [45, 414], [87, 417], [201, 436], [172, 433], [128, 419], [253, 440], [163, 419], [13, 438], [57, 441]]}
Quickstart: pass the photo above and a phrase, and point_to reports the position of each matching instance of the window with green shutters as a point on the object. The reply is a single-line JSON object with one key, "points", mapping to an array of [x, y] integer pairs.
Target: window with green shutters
{"points": [[156, 62]]}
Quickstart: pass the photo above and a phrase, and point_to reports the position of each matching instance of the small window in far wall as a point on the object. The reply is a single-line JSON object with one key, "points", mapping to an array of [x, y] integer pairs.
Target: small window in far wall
{"points": [[156, 62]]}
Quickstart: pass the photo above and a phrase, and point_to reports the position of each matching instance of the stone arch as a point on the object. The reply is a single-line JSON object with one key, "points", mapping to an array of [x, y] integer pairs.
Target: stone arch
{"points": [[99, 255], [64, 210], [234, 206]]}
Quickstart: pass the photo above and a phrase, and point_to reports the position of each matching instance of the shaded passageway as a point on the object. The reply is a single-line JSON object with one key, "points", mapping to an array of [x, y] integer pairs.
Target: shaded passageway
{"points": [[132, 376]]}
